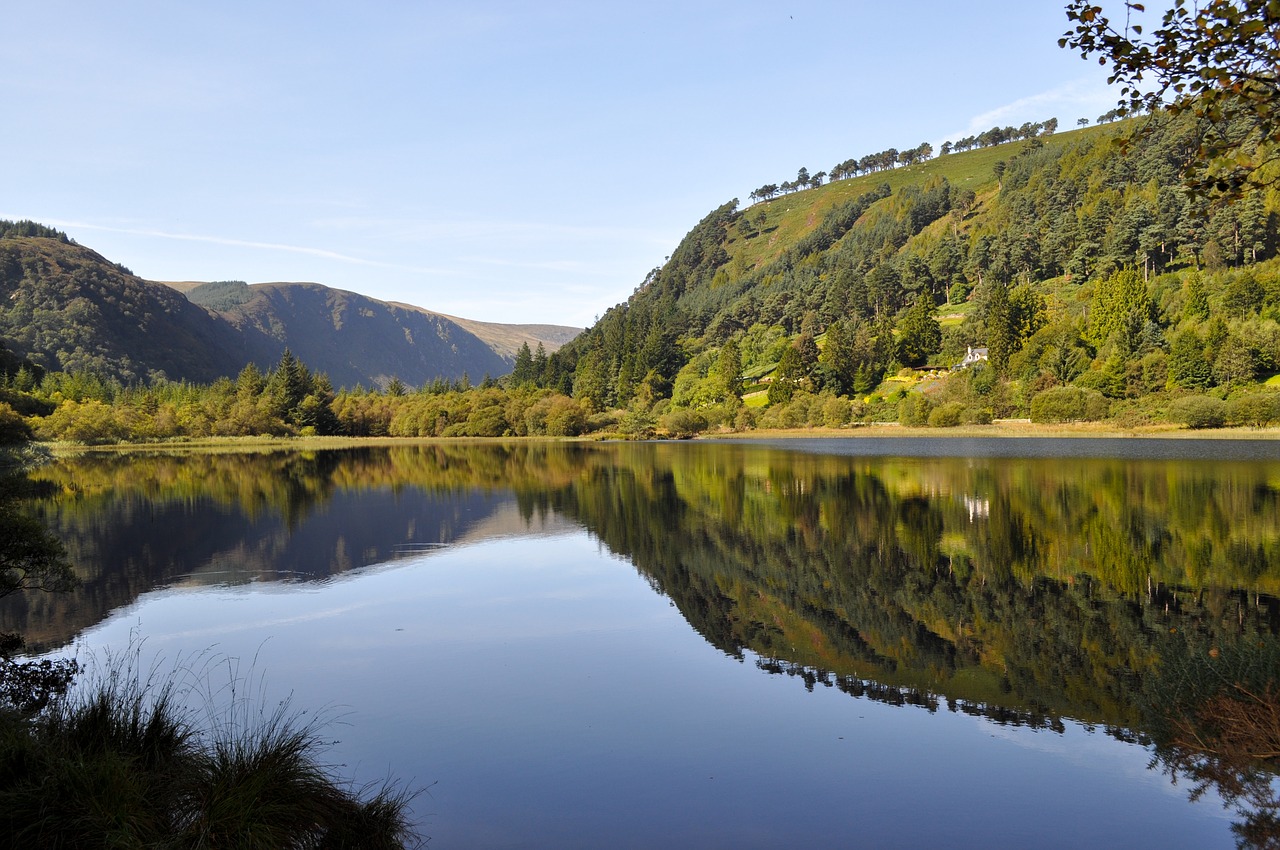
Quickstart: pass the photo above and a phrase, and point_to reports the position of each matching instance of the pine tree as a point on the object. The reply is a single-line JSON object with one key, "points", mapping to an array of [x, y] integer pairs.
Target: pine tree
{"points": [[729, 368], [539, 366], [523, 372], [919, 333], [999, 328], [1188, 367], [1195, 304], [1119, 302]]}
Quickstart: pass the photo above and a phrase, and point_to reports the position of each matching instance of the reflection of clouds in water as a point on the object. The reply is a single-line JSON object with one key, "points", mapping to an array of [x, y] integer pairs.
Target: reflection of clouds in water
{"points": [[1096, 750], [522, 582], [198, 604]]}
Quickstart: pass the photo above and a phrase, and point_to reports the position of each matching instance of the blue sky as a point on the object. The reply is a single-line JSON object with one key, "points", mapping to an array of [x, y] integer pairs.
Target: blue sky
{"points": [[509, 162]]}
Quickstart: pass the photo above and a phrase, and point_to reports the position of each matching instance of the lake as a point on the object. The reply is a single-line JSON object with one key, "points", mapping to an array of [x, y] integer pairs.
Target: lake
{"points": [[826, 643]]}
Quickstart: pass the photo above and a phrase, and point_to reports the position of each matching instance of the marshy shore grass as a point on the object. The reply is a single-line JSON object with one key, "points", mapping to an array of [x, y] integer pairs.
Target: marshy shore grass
{"points": [[124, 761]]}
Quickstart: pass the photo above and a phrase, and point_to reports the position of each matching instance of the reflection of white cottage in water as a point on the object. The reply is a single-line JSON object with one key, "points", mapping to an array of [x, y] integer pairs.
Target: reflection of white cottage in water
{"points": [[972, 356], [978, 508]]}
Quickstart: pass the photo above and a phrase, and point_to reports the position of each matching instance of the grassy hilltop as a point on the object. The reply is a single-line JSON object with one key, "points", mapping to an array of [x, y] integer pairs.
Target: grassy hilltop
{"points": [[1093, 284]]}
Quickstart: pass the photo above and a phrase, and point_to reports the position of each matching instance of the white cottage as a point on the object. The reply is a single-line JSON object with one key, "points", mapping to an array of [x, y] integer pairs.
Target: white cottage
{"points": [[972, 355]]}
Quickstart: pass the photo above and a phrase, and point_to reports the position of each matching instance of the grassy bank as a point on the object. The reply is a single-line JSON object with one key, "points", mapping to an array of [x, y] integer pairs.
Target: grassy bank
{"points": [[1013, 429]]}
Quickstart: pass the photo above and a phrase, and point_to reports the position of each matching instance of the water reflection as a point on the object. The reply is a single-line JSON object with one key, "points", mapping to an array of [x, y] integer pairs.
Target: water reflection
{"points": [[1137, 595]]}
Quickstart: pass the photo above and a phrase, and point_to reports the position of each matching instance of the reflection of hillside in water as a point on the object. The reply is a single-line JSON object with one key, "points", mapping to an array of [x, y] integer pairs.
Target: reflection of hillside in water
{"points": [[1031, 589], [1025, 590], [135, 523], [1138, 595]]}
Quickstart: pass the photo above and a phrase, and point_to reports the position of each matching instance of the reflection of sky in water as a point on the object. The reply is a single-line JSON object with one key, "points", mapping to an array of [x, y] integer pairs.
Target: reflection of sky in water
{"points": [[556, 701]]}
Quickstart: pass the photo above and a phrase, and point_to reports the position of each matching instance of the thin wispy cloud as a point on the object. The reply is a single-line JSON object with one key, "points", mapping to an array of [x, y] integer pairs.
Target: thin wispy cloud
{"points": [[304, 250], [1082, 94], [487, 229], [561, 266]]}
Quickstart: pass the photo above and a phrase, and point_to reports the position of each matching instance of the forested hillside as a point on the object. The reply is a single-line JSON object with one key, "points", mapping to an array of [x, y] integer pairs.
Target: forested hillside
{"points": [[1077, 260], [68, 309], [1061, 277]]}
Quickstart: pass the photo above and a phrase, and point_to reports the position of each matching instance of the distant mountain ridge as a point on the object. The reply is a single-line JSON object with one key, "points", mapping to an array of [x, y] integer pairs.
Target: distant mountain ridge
{"points": [[65, 307]]}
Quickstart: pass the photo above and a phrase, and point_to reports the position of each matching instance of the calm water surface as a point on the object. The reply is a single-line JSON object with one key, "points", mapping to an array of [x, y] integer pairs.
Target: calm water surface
{"points": [[827, 643]]}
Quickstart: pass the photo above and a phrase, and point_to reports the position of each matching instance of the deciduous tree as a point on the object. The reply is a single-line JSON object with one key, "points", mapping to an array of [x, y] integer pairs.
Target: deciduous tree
{"points": [[1215, 59]]}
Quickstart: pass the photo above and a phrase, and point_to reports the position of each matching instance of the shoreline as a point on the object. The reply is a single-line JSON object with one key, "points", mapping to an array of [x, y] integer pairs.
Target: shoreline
{"points": [[1010, 429], [1001, 429]]}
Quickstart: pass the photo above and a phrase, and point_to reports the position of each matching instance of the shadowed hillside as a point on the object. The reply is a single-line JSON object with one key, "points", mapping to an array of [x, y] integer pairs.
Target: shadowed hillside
{"points": [[66, 308], [355, 339]]}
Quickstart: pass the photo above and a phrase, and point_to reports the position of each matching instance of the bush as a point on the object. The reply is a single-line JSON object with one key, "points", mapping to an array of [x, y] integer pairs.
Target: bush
{"points": [[683, 423], [1198, 411], [914, 409], [90, 422], [1069, 404], [13, 429], [489, 421], [836, 412], [1256, 409], [1102, 382], [638, 423], [565, 417], [947, 415]]}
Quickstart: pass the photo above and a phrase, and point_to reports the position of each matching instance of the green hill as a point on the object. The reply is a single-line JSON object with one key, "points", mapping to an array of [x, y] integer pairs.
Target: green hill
{"points": [[66, 308], [1076, 260]]}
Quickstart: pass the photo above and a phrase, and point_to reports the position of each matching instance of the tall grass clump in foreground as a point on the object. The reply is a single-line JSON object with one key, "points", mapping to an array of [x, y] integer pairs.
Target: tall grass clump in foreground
{"points": [[123, 761]]}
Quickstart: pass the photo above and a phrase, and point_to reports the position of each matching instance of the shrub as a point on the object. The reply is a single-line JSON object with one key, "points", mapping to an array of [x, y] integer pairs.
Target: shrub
{"points": [[1257, 409], [836, 412], [565, 417], [638, 423], [488, 421], [914, 409], [683, 423], [1069, 404], [947, 415], [90, 422], [1198, 411], [13, 429], [1102, 382]]}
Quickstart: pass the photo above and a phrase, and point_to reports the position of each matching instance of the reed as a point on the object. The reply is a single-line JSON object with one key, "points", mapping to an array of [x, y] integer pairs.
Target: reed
{"points": [[125, 760]]}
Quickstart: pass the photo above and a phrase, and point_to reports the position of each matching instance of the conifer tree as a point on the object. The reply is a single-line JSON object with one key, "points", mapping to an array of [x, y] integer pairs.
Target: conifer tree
{"points": [[919, 334]]}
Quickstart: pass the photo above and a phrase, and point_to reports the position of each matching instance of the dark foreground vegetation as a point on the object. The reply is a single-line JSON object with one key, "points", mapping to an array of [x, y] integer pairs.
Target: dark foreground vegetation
{"points": [[115, 758], [122, 765]]}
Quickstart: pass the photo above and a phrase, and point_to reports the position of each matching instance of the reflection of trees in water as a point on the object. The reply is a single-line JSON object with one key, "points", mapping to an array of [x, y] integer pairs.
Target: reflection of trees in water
{"points": [[1069, 594], [907, 696], [133, 522], [1216, 722], [1019, 591], [879, 570], [32, 561]]}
